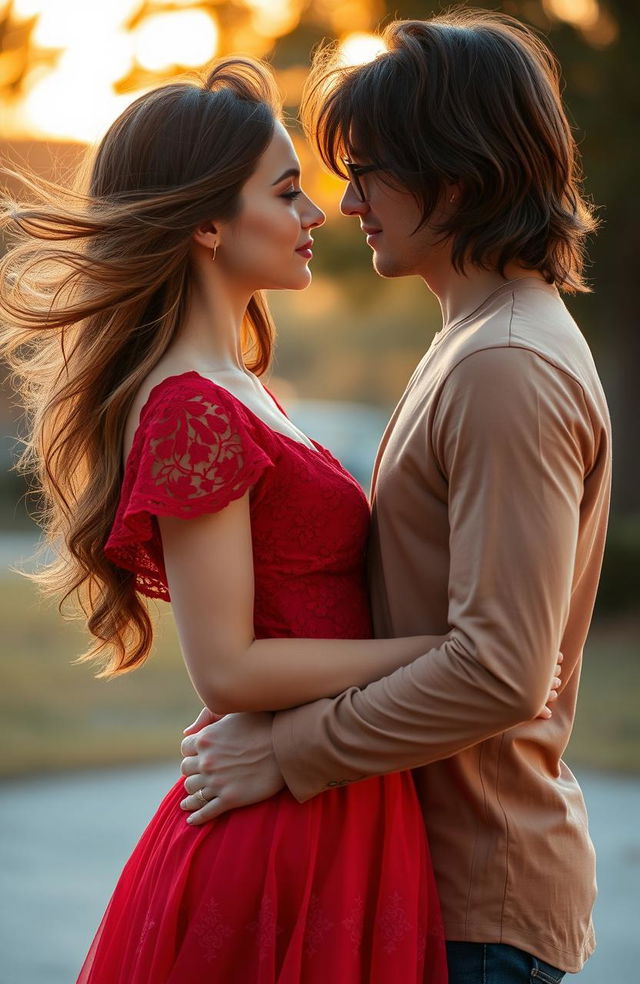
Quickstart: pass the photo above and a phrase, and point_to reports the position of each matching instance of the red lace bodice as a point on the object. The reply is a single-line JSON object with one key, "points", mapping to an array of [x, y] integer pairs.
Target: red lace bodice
{"points": [[197, 447]]}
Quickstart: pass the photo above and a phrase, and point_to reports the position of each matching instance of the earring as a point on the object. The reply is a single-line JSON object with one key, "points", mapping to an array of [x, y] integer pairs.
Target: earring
{"points": [[452, 199], [214, 251]]}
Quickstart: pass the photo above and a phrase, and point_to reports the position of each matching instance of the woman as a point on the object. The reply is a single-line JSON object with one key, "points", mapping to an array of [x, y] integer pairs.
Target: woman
{"points": [[137, 334]]}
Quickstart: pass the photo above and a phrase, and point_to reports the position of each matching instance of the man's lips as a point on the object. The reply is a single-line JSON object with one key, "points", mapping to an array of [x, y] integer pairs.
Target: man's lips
{"points": [[371, 234]]}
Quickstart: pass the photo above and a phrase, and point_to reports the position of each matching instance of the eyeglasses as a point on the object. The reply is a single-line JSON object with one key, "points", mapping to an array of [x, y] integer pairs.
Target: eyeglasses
{"points": [[355, 171]]}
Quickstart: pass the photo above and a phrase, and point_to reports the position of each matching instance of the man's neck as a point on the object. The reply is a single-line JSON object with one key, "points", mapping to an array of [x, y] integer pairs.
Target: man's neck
{"points": [[459, 294]]}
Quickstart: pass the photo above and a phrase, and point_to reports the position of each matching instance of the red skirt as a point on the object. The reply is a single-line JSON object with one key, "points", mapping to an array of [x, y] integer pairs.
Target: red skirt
{"points": [[338, 890]]}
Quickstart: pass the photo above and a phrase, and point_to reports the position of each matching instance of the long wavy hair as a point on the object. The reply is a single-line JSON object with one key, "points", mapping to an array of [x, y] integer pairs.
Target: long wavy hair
{"points": [[92, 293], [470, 97]]}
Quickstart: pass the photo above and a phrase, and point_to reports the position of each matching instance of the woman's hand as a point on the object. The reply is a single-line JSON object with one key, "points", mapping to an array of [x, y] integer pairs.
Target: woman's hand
{"points": [[204, 718], [228, 764], [546, 711]]}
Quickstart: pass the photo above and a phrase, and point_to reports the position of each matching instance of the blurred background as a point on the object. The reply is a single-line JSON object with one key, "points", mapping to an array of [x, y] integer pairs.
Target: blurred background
{"points": [[346, 348]]}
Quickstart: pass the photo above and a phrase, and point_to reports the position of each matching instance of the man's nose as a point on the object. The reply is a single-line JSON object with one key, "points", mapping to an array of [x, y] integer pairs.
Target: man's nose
{"points": [[350, 204]]}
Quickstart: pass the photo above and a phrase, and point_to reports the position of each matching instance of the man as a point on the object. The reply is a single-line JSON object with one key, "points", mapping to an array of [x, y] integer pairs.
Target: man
{"points": [[490, 494]]}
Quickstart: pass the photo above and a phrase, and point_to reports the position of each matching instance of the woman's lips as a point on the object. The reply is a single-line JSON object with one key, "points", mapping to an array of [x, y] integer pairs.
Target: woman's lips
{"points": [[306, 250]]}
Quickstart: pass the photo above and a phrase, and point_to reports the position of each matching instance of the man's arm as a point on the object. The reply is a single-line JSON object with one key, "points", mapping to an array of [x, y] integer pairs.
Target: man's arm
{"points": [[513, 437]]}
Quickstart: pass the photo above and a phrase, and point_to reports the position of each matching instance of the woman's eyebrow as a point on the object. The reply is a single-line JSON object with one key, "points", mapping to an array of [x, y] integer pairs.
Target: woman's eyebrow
{"points": [[293, 172]]}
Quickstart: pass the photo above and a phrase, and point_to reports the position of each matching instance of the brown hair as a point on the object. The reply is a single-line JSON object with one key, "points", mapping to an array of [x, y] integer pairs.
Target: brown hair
{"points": [[91, 297], [469, 97]]}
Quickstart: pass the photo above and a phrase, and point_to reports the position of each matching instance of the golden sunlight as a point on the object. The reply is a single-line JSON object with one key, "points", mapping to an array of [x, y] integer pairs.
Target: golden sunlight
{"points": [[63, 23], [178, 37], [87, 61], [24, 9], [69, 93], [360, 47], [347, 16], [579, 13], [273, 18], [58, 106]]}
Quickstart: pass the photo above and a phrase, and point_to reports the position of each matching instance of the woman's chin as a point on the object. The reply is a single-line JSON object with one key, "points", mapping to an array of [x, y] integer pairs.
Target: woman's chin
{"points": [[297, 281]]}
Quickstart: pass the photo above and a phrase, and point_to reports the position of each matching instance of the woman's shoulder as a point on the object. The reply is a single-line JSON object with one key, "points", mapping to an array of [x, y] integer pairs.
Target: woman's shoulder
{"points": [[185, 395], [192, 453]]}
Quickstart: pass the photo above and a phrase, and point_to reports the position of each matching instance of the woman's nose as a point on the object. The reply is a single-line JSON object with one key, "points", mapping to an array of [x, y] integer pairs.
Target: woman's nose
{"points": [[314, 218]]}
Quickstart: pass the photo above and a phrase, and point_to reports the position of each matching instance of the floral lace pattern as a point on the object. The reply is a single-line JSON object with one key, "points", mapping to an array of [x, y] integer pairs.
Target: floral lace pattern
{"points": [[212, 930], [148, 927], [195, 452], [318, 927], [265, 928], [394, 924], [196, 449]]}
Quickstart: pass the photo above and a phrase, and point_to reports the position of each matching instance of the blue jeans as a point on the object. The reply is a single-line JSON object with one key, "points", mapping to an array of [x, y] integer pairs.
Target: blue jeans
{"points": [[497, 963]]}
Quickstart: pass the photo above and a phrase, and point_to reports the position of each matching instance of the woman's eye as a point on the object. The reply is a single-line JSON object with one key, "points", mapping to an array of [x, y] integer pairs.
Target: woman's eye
{"points": [[291, 195]]}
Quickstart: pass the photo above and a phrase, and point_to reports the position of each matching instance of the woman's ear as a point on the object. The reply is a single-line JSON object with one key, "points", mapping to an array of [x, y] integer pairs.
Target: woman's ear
{"points": [[207, 235]]}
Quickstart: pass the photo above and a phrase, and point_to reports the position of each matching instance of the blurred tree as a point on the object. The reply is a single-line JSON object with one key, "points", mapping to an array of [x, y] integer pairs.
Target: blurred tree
{"points": [[603, 94], [596, 42]]}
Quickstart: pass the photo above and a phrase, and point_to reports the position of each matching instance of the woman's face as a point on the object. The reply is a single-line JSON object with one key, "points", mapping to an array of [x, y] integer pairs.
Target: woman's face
{"points": [[265, 247]]}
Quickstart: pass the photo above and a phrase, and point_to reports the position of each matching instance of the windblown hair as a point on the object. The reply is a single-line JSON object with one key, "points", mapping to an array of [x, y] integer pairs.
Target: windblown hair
{"points": [[91, 296], [470, 97]]}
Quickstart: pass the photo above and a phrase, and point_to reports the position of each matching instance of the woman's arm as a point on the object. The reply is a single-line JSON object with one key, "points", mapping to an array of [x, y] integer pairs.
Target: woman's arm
{"points": [[209, 565]]}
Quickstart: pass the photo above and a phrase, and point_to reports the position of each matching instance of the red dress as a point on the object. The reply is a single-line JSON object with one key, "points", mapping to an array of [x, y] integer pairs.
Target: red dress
{"points": [[337, 890]]}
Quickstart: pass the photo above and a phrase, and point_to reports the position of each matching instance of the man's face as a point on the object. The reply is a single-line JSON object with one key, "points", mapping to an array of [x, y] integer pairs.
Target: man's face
{"points": [[388, 218]]}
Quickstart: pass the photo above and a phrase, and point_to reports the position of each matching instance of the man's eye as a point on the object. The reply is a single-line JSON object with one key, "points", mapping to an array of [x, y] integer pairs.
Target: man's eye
{"points": [[291, 195]]}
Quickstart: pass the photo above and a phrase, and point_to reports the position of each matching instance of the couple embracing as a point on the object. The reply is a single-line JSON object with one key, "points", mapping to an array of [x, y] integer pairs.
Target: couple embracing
{"points": [[375, 789]]}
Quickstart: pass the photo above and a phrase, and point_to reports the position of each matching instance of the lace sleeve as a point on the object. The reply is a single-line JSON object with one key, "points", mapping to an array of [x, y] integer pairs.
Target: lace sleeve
{"points": [[194, 455]]}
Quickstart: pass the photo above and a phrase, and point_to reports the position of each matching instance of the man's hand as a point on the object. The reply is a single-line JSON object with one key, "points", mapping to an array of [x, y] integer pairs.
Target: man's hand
{"points": [[546, 711], [229, 763]]}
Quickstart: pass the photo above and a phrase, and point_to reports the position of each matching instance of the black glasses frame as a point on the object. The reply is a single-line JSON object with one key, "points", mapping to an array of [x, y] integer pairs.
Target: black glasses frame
{"points": [[355, 171]]}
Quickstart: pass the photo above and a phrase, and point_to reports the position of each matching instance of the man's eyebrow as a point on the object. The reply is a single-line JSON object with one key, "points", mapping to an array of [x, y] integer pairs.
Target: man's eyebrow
{"points": [[293, 172]]}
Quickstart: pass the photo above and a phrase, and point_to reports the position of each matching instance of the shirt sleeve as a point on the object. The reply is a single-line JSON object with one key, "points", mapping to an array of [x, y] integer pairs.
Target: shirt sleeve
{"points": [[194, 453], [512, 435]]}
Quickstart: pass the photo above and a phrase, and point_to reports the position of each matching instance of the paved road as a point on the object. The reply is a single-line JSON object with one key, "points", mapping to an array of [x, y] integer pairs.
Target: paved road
{"points": [[64, 839]]}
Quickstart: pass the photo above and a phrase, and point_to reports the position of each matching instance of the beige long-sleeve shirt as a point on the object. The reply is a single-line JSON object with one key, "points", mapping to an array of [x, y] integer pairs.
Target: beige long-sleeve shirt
{"points": [[490, 503]]}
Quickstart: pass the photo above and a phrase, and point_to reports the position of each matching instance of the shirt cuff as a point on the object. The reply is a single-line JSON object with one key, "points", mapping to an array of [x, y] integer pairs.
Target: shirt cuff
{"points": [[287, 750]]}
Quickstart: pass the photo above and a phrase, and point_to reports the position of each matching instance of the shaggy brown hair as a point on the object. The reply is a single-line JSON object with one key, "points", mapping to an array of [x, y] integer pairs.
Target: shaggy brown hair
{"points": [[92, 295], [471, 98]]}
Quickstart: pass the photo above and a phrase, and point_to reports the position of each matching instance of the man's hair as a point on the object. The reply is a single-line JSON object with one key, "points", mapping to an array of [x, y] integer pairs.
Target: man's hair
{"points": [[471, 98]]}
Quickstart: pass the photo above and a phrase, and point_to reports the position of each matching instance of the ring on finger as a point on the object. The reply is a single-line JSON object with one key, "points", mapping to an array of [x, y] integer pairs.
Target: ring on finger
{"points": [[202, 797]]}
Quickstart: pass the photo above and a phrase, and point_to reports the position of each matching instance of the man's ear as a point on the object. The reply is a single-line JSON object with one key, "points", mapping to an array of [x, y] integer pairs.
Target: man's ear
{"points": [[452, 193]]}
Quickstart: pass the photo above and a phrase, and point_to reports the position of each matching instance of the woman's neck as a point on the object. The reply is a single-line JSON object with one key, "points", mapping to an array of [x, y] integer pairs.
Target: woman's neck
{"points": [[210, 336]]}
